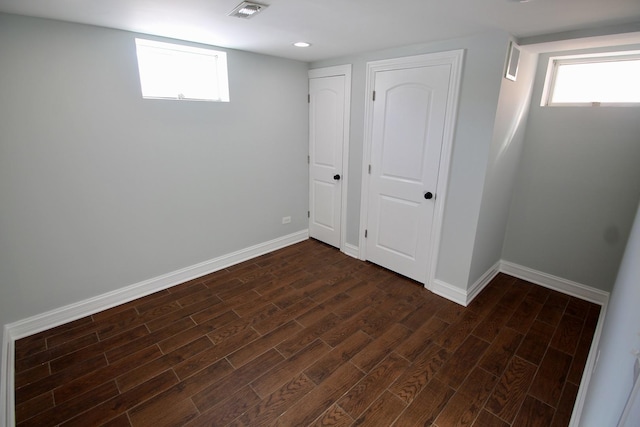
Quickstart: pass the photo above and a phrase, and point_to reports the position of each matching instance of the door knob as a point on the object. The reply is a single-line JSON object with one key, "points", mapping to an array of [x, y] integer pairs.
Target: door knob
{"points": [[428, 195], [336, 177]]}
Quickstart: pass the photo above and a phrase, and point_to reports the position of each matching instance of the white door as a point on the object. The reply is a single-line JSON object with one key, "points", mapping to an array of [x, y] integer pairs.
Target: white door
{"points": [[326, 139], [408, 126]]}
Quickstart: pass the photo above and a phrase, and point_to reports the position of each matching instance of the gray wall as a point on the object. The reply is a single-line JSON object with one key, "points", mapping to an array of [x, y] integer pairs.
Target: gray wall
{"points": [[502, 167], [612, 379], [100, 189], [482, 74], [577, 190]]}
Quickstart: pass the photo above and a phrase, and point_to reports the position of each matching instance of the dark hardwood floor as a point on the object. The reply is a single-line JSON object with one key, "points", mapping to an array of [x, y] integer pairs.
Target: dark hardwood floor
{"points": [[308, 336]]}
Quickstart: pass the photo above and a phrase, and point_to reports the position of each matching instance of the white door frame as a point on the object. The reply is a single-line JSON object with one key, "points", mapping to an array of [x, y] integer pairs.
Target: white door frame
{"points": [[341, 70], [454, 59]]}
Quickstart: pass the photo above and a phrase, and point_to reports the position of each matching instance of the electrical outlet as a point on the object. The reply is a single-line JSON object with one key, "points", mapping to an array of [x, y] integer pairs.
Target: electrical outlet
{"points": [[286, 219]]}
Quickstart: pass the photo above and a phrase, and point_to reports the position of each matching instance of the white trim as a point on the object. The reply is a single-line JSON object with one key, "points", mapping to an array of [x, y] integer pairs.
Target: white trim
{"points": [[464, 297], [337, 70], [7, 398], [588, 369], [102, 302], [568, 287], [482, 282], [341, 70], [556, 283], [449, 292], [366, 157], [68, 313], [351, 250], [90, 306], [454, 58]]}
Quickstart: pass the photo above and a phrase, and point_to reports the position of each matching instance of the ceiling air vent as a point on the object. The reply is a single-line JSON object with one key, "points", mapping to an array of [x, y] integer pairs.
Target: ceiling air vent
{"points": [[247, 9]]}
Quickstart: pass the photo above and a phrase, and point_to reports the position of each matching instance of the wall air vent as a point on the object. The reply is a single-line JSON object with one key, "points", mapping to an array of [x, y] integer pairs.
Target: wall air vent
{"points": [[247, 9]]}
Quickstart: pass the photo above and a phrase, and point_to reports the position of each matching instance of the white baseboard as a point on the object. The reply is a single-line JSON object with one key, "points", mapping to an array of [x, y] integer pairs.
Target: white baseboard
{"points": [[589, 366], [482, 282], [102, 302], [7, 398], [68, 313], [351, 250], [449, 292], [90, 306], [556, 283], [464, 297]]}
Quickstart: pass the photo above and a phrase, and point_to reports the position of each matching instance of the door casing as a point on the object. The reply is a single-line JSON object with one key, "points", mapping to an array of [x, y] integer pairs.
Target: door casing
{"points": [[453, 58]]}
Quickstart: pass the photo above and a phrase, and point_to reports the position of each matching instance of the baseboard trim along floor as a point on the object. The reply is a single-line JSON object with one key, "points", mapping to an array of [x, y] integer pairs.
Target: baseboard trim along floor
{"points": [[35, 324], [71, 312]]}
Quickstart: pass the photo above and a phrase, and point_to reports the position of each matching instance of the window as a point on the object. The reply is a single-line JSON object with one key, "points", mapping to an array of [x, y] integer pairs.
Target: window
{"points": [[593, 80], [170, 71]]}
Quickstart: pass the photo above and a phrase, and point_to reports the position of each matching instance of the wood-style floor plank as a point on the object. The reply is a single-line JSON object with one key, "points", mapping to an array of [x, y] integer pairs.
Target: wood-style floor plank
{"points": [[511, 390], [551, 376], [382, 412], [463, 408], [534, 414], [358, 399], [309, 336]]}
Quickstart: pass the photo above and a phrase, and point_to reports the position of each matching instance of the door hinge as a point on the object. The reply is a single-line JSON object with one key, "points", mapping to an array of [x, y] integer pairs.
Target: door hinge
{"points": [[309, 98], [369, 169], [374, 95], [365, 233], [308, 160], [308, 214]]}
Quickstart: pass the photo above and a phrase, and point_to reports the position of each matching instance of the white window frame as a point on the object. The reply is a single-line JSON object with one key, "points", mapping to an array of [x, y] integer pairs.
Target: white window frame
{"points": [[219, 57], [556, 61]]}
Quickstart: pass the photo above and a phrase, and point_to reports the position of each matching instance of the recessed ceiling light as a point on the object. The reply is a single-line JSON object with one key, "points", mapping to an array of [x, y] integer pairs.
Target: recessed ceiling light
{"points": [[247, 9], [302, 44]]}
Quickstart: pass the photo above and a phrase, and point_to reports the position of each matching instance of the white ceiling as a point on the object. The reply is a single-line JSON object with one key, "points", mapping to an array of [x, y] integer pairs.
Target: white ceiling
{"points": [[334, 27]]}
